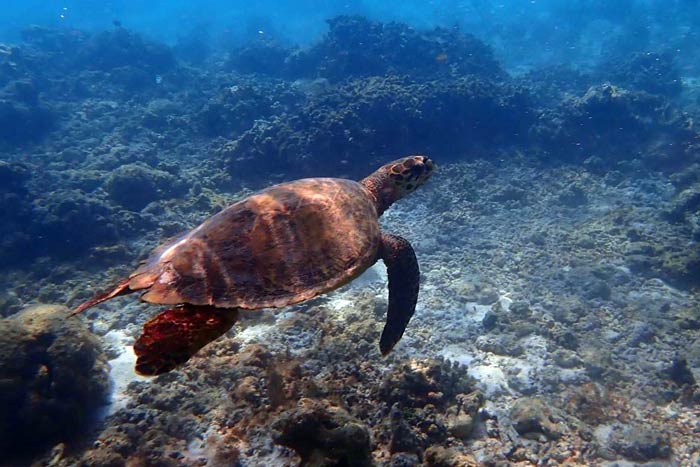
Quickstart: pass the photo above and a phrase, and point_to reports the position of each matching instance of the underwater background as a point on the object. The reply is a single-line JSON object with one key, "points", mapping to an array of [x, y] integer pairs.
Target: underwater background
{"points": [[558, 321]]}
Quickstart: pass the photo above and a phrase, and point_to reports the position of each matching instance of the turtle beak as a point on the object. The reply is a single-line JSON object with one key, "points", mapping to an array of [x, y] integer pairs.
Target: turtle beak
{"points": [[427, 167], [430, 165], [427, 163]]}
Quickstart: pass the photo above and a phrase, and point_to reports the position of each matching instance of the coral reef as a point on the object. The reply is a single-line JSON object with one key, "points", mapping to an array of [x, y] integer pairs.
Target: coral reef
{"points": [[417, 384], [262, 56], [563, 221], [554, 83], [15, 210], [119, 48], [193, 46], [54, 41], [323, 435], [54, 377], [368, 120], [68, 223], [236, 108], [655, 73], [134, 186], [590, 128], [22, 118], [357, 47], [126, 59], [686, 204]]}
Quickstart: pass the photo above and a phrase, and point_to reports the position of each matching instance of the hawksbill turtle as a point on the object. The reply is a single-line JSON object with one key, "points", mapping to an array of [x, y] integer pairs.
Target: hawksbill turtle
{"points": [[280, 246]]}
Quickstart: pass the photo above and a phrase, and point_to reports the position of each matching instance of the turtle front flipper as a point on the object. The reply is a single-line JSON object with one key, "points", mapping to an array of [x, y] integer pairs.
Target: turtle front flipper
{"points": [[172, 337], [404, 274]]}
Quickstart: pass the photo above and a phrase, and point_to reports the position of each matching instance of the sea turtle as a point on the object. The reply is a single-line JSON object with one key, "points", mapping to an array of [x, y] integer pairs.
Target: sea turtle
{"points": [[282, 245]]}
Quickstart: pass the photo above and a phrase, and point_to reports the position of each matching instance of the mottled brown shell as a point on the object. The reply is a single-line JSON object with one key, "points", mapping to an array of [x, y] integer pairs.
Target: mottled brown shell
{"points": [[280, 246]]}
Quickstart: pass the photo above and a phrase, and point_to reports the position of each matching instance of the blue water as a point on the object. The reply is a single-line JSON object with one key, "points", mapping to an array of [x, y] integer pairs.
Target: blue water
{"points": [[522, 32]]}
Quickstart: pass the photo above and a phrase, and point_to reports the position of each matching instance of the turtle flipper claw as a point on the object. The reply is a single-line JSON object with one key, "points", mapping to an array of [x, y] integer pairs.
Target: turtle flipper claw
{"points": [[404, 275], [172, 337]]}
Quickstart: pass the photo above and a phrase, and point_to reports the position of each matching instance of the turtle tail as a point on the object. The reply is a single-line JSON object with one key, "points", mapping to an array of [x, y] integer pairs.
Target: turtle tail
{"points": [[172, 337], [122, 288]]}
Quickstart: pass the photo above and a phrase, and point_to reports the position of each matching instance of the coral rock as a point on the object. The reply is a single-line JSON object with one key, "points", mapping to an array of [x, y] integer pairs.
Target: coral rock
{"points": [[53, 376], [323, 435], [134, 186], [534, 417]]}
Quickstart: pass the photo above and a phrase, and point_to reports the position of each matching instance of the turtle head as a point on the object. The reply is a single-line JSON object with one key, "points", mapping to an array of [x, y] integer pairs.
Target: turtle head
{"points": [[396, 179], [407, 174]]}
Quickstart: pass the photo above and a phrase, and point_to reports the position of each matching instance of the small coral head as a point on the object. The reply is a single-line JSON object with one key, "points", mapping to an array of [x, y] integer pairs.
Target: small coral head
{"points": [[408, 173]]}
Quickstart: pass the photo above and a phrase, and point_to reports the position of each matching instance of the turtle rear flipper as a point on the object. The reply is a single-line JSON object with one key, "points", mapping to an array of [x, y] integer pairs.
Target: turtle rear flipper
{"points": [[172, 337], [122, 288], [404, 275]]}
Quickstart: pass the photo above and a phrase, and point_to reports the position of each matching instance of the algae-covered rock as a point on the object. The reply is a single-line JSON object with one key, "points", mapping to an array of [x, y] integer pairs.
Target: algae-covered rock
{"points": [[24, 117], [366, 119], [639, 443], [20, 123], [15, 211], [686, 202], [533, 417], [591, 127], [116, 48], [681, 266], [323, 435], [261, 56], [676, 263], [67, 223], [418, 383], [135, 185], [236, 108], [655, 73], [461, 418], [403, 438], [13, 176], [13, 194], [53, 376], [438, 456], [355, 46]]}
